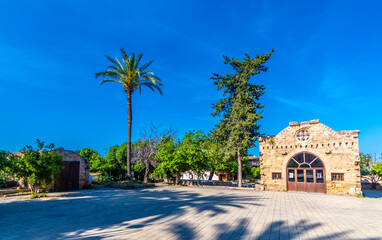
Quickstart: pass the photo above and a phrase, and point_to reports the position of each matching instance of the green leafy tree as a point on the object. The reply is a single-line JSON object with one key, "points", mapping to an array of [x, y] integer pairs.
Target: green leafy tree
{"points": [[7, 166], [366, 163], [114, 162], [376, 174], [38, 166], [170, 164], [215, 160], [93, 156], [132, 77], [240, 108], [193, 152], [139, 170], [255, 171], [377, 169], [3, 161]]}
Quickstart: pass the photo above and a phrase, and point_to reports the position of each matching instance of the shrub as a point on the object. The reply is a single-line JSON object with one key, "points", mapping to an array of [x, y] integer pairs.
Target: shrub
{"points": [[38, 166], [34, 195], [3, 182], [102, 180], [255, 172]]}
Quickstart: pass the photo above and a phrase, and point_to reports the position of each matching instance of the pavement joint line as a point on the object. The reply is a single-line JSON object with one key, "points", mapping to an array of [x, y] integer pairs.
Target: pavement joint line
{"points": [[171, 213]]}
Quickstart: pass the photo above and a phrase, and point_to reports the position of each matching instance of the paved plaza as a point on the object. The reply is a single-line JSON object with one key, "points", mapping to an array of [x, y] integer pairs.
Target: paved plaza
{"points": [[190, 213]]}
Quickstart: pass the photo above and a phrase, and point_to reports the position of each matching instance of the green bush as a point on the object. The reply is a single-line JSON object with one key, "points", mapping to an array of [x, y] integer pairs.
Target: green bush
{"points": [[255, 172], [38, 166], [34, 195], [102, 180], [3, 182]]}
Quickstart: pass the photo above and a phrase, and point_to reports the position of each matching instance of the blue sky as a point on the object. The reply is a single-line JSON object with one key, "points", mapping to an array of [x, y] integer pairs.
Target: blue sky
{"points": [[327, 65]]}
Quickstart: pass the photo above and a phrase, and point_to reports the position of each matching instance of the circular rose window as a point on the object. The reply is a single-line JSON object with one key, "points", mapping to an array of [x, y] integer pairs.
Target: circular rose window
{"points": [[302, 135]]}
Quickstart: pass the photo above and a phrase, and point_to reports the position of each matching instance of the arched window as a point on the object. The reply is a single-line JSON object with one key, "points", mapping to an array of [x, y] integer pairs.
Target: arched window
{"points": [[305, 160]]}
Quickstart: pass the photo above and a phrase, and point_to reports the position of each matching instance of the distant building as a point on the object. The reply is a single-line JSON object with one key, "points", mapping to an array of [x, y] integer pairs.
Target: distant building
{"points": [[311, 157], [75, 171], [221, 175], [254, 161], [74, 174]]}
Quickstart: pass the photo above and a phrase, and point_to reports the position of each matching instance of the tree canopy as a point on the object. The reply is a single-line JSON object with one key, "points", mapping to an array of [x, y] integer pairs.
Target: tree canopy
{"points": [[95, 159], [38, 166], [366, 163], [132, 76], [239, 108]]}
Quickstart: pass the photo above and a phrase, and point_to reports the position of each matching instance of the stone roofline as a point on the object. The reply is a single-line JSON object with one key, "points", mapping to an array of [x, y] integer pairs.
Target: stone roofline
{"points": [[349, 133]]}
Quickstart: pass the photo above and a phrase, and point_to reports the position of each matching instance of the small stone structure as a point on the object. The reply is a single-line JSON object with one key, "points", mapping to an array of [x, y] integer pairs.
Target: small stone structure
{"points": [[84, 166], [310, 156], [254, 161]]}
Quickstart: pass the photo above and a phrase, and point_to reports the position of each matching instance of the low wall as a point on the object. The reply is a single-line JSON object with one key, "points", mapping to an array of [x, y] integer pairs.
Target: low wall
{"points": [[206, 183]]}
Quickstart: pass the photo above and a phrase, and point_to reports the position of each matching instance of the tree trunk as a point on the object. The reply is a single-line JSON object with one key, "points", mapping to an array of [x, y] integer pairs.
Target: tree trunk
{"points": [[211, 174], [197, 181], [177, 178], [129, 123], [33, 188], [239, 169], [147, 170]]}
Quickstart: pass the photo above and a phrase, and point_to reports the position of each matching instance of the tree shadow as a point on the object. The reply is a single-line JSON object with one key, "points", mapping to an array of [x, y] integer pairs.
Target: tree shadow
{"points": [[143, 214], [109, 212], [372, 193], [279, 230]]}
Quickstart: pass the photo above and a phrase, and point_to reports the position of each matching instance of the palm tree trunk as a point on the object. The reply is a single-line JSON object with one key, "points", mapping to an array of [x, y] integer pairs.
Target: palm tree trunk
{"points": [[129, 123], [239, 169]]}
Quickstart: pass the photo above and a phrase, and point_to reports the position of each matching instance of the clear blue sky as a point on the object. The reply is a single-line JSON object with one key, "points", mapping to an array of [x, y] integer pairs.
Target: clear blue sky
{"points": [[327, 65]]}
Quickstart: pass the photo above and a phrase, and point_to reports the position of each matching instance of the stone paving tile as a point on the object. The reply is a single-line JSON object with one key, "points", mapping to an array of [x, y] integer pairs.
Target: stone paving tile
{"points": [[190, 213]]}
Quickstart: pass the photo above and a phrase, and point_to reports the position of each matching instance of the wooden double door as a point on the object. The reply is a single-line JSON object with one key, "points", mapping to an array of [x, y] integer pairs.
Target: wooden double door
{"points": [[306, 179], [69, 178]]}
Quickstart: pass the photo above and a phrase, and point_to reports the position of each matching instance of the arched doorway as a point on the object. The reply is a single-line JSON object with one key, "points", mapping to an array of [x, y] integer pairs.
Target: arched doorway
{"points": [[306, 172]]}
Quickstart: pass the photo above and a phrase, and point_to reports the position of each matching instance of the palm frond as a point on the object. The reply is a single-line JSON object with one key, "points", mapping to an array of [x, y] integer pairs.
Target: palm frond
{"points": [[145, 65], [153, 86], [108, 73], [125, 59], [120, 65], [147, 85], [152, 78], [146, 72], [108, 80], [131, 62], [126, 70], [114, 61], [124, 55], [140, 89], [118, 70], [137, 60]]}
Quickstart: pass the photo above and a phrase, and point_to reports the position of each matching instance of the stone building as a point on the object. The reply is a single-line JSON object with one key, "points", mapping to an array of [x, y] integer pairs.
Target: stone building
{"points": [[75, 172], [311, 157]]}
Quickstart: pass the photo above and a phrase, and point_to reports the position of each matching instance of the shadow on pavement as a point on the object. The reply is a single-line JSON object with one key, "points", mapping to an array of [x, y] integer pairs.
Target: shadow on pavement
{"points": [[89, 213], [115, 213], [372, 193]]}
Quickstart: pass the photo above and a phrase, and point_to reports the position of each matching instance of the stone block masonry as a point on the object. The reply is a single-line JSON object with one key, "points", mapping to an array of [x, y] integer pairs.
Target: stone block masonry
{"points": [[337, 150]]}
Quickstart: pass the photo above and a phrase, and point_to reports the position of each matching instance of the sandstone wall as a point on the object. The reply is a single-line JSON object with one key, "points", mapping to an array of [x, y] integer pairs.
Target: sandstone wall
{"points": [[84, 164], [338, 150]]}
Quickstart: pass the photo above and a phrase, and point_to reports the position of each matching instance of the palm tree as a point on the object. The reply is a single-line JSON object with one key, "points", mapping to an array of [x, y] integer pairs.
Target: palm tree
{"points": [[132, 77]]}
